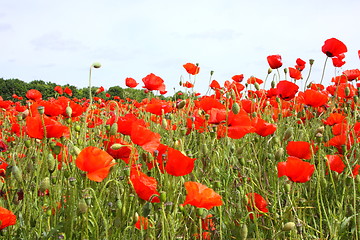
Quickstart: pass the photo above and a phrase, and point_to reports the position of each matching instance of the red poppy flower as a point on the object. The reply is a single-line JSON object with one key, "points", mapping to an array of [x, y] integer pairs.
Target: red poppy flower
{"points": [[68, 91], [257, 204], [153, 82], [296, 169], [100, 90], [144, 137], [214, 85], [353, 74], [317, 86], [335, 163], [7, 218], [34, 94], [295, 73], [253, 80], [262, 127], [238, 78], [95, 162], [338, 61], [287, 90], [274, 61], [188, 84], [315, 98], [124, 153], [130, 82], [177, 164], [145, 186], [299, 149], [142, 223], [300, 64], [355, 170], [59, 90], [200, 196], [191, 68], [3, 166], [35, 128], [346, 91], [334, 118], [3, 146], [333, 47]]}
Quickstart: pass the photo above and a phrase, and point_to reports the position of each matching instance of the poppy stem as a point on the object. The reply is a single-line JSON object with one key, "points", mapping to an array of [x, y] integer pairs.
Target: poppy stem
{"points": [[323, 72], [307, 79]]}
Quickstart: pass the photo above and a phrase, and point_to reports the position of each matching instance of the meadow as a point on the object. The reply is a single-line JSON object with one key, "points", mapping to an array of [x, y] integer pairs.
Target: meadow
{"points": [[241, 162]]}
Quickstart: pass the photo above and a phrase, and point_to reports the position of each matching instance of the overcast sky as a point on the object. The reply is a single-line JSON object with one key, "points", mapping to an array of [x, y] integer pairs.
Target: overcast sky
{"points": [[57, 41]]}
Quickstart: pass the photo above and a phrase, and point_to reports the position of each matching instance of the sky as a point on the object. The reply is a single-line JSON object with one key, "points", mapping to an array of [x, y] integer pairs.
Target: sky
{"points": [[58, 41]]}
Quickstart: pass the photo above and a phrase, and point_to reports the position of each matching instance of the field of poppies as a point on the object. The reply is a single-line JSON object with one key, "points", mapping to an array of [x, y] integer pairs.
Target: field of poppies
{"points": [[242, 162]]}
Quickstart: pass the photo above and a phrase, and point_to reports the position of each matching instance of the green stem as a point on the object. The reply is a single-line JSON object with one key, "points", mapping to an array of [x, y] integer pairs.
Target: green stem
{"points": [[323, 72]]}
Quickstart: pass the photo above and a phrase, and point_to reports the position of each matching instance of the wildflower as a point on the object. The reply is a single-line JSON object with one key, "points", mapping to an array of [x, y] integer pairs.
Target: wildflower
{"points": [[257, 204], [296, 169], [200, 196], [7, 218], [130, 82], [153, 82], [145, 186], [274, 61], [191, 68], [333, 47]]}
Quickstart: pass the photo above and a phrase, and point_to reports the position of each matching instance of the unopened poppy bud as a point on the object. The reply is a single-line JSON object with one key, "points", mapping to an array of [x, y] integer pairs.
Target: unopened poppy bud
{"points": [[180, 83], [285, 70], [269, 70], [163, 196], [41, 109], [116, 146], [200, 211], [311, 62], [68, 111], [356, 99], [235, 108], [347, 91], [83, 207], [257, 86], [76, 150], [288, 134], [181, 104], [15, 170], [211, 73], [119, 204], [77, 128], [279, 154], [113, 129], [135, 217], [27, 143], [51, 163], [146, 209], [164, 123], [273, 84], [45, 184], [96, 65], [243, 231], [289, 226], [320, 129], [287, 188]]}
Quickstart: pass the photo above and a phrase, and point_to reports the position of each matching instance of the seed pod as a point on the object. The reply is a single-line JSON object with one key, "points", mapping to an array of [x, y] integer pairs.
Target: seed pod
{"points": [[235, 108], [289, 226], [311, 62]]}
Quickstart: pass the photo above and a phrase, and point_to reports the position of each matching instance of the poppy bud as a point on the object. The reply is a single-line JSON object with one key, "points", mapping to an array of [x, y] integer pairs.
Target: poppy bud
{"points": [[27, 143], [83, 207], [164, 123], [146, 209], [211, 73], [288, 134], [243, 231], [15, 170], [289, 226], [45, 184], [135, 218], [181, 104], [68, 111], [273, 84], [257, 86], [51, 163], [269, 70], [320, 129], [311, 62], [285, 70], [347, 91], [356, 98], [235, 108], [279, 154], [287, 188], [96, 65], [116, 146], [76, 150], [163, 196], [113, 129]]}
